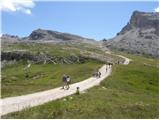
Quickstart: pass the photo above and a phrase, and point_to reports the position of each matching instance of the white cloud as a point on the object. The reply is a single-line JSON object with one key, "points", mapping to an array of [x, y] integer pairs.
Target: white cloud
{"points": [[17, 5], [28, 11], [157, 9]]}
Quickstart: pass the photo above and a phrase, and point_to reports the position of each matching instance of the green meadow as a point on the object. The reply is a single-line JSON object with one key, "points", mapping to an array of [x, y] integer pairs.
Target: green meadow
{"points": [[42, 76], [131, 91]]}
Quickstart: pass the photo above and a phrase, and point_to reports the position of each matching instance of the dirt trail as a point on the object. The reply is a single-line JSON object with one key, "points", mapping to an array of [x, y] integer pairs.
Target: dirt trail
{"points": [[127, 60], [13, 104]]}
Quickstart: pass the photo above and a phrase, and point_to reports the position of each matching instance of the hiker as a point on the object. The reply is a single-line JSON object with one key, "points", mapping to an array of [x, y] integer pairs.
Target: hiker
{"points": [[99, 74], [109, 64], [77, 91], [64, 80], [68, 82], [106, 68]]}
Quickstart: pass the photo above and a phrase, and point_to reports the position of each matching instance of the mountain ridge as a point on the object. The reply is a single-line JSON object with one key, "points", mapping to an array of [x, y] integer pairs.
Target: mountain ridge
{"points": [[44, 34], [139, 36]]}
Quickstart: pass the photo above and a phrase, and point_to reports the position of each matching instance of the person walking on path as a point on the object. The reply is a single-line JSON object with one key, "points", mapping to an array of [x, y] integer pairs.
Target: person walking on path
{"points": [[109, 64], [99, 74], [106, 68], [68, 82], [64, 80]]}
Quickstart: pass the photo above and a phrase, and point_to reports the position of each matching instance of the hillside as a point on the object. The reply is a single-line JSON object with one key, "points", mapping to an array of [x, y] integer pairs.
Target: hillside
{"points": [[52, 47], [49, 61], [37, 62], [139, 36], [130, 92], [48, 36], [41, 34]]}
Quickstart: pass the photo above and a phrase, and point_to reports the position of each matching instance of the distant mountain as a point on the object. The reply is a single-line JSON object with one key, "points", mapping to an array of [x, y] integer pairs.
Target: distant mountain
{"points": [[140, 35], [41, 35], [9, 38]]}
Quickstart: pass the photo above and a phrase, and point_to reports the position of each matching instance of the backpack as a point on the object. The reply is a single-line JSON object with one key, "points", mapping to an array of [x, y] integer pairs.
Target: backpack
{"points": [[68, 79]]}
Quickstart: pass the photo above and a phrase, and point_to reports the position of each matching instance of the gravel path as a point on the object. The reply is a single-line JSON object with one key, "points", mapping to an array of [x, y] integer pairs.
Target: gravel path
{"points": [[127, 60], [13, 104]]}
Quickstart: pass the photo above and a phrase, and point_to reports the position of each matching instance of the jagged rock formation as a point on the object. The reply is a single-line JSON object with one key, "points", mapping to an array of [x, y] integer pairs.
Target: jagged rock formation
{"points": [[9, 38], [139, 36]]}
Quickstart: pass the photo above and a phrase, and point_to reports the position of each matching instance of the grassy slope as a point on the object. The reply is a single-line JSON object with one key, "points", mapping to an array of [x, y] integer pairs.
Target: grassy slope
{"points": [[42, 76], [52, 49], [130, 92], [57, 50]]}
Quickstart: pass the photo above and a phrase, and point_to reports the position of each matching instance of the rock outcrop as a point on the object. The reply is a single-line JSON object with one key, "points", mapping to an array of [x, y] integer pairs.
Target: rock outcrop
{"points": [[139, 36], [9, 38], [40, 58], [41, 34], [48, 36]]}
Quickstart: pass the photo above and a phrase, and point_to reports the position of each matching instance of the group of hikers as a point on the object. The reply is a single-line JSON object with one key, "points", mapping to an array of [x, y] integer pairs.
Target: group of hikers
{"points": [[96, 74], [110, 65], [67, 80]]}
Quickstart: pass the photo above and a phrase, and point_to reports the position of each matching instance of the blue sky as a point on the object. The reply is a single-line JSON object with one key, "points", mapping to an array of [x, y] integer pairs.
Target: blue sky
{"points": [[96, 20]]}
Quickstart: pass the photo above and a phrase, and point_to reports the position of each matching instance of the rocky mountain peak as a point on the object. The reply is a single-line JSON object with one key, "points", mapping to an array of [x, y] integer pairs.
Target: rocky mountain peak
{"points": [[142, 21], [139, 36], [4, 36]]}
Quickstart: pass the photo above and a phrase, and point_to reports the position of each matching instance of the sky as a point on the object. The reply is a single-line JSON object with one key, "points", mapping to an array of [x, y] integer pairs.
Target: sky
{"points": [[94, 19]]}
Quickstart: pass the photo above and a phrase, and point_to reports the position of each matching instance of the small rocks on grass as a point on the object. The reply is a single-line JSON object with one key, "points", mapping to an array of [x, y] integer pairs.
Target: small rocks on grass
{"points": [[104, 87], [13, 78], [64, 99], [70, 98]]}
